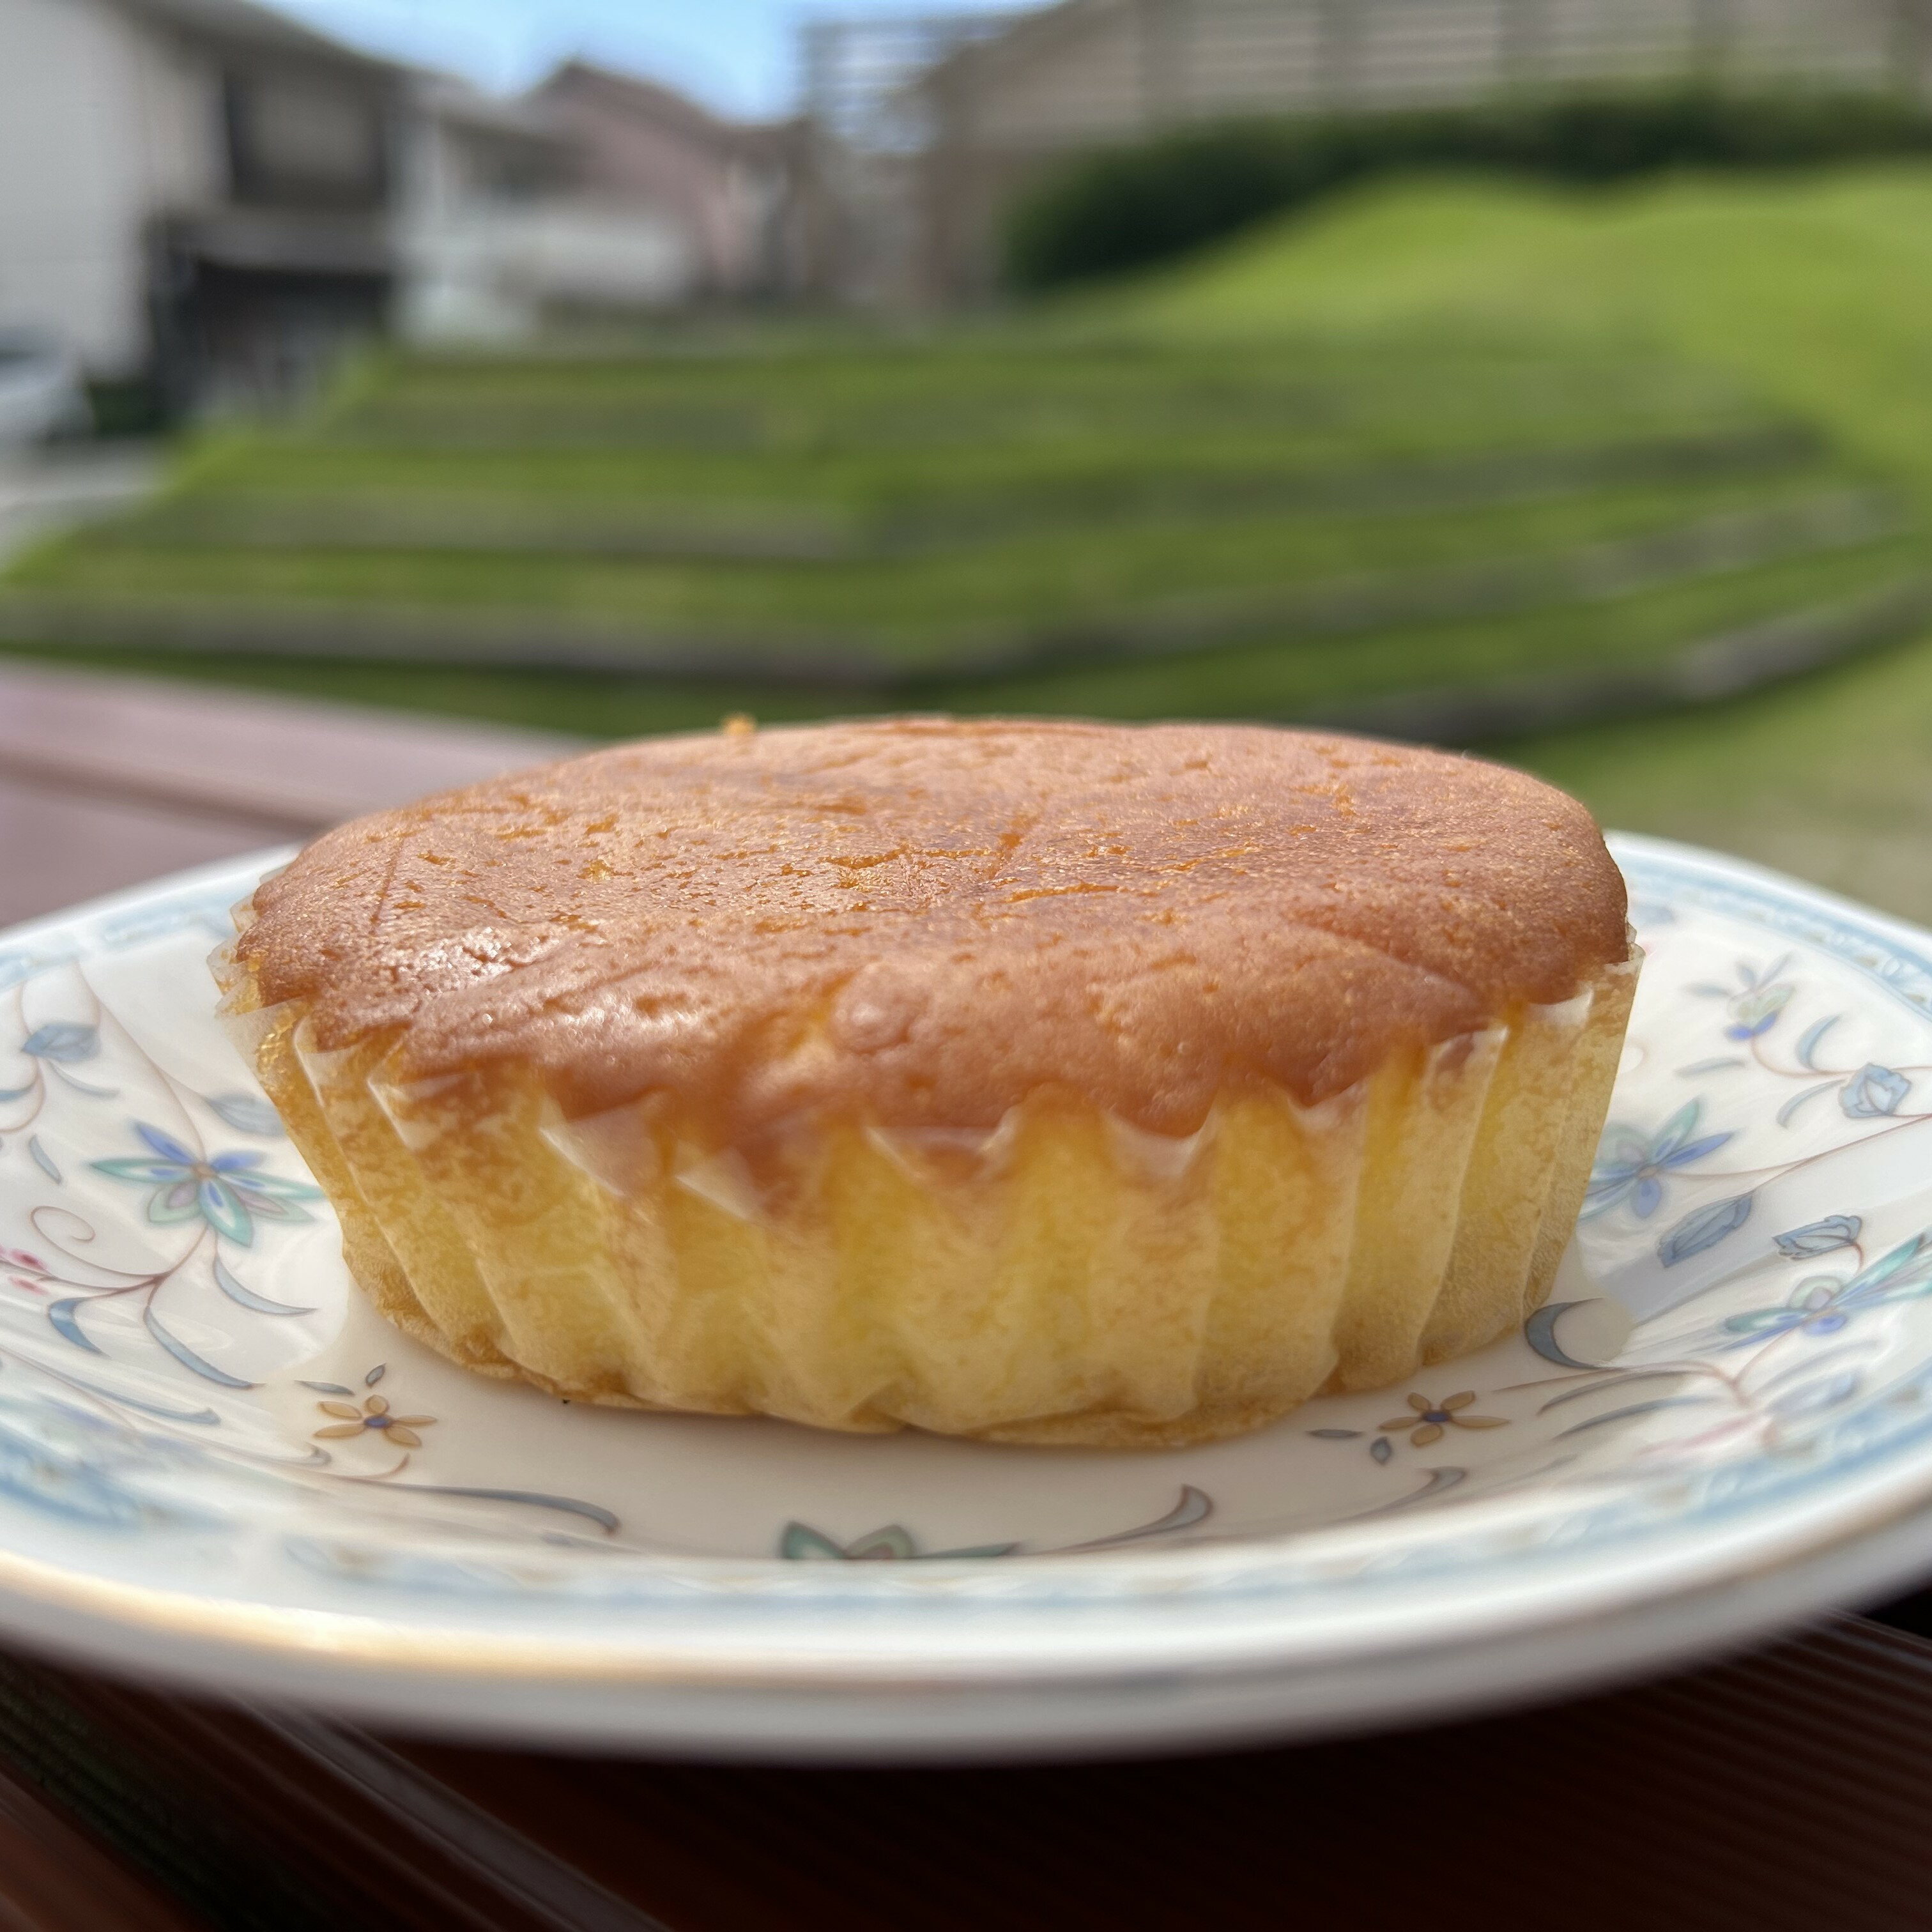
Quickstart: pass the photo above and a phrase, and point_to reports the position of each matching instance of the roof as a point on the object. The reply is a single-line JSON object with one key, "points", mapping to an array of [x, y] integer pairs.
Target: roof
{"points": [[244, 23], [579, 81], [448, 99]]}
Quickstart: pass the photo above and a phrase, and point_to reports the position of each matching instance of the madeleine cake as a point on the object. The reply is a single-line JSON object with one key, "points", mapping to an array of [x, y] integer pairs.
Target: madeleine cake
{"points": [[1039, 1081]]}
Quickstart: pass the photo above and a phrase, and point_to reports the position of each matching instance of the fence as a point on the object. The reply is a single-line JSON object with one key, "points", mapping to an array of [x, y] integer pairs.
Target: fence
{"points": [[933, 120]]}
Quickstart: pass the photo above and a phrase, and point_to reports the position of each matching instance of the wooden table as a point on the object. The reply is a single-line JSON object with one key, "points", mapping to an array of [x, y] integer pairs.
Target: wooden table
{"points": [[1793, 1787], [106, 782]]}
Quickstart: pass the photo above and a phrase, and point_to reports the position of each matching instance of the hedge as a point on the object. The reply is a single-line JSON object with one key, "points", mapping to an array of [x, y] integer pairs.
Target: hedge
{"points": [[1124, 208]]}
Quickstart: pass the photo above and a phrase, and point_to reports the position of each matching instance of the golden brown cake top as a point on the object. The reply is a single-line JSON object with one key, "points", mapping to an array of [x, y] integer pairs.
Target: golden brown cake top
{"points": [[927, 920]]}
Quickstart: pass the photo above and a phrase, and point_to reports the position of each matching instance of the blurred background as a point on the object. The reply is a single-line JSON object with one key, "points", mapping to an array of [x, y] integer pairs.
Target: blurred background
{"points": [[1549, 377]]}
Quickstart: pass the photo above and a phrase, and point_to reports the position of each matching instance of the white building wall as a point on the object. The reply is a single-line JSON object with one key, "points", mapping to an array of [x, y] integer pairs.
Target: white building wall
{"points": [[490, 272], [480, 266], [72, 198], [183, 138]]}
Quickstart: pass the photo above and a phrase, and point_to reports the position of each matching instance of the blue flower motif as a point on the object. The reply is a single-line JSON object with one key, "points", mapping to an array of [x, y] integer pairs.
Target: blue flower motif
{"points": [[1756, 1012], [1820, 1237], [1704, 1228], [1812, 1309], [1631, 1165], [223, 1189], [1755, 1002], [62, 1040], [1872, 1093], [247, 1113], [1822, 1303]]}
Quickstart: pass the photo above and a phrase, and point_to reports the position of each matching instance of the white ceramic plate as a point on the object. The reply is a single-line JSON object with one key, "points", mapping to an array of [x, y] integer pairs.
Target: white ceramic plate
{"points": [[216, 1466]]}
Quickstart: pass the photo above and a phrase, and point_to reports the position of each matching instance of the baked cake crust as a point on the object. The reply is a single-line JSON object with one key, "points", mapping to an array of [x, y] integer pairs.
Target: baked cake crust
{"points": [[927, 921]]}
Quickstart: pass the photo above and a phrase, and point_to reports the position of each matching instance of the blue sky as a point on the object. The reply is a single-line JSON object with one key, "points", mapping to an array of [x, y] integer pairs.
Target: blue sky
{"points": [[737, 55]]}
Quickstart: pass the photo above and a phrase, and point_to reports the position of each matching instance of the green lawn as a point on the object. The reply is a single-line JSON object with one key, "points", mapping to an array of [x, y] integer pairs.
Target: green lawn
{"points": [[1425, 380], [932, 611], [1076, 499], [1818, 291]]}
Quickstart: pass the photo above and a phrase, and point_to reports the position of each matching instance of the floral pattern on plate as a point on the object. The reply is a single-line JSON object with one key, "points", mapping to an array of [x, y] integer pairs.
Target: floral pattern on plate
{"points": [[182, 1359]]}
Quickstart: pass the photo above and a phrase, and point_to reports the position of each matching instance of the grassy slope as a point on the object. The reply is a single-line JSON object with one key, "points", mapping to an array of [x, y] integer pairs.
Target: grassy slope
{"points": [[1031, 577], [1821, 292], [1816, 292], [1067, 478]]}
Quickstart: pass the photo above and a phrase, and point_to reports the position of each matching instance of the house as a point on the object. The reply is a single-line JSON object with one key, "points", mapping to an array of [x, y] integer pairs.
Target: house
{"points": [[738, 190], [194, 194], [203, 201], [993, 109], [503, 223]]}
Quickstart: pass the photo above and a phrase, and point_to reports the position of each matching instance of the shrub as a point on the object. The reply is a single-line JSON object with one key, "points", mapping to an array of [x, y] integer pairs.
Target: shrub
{"points": [[1126, 207]]}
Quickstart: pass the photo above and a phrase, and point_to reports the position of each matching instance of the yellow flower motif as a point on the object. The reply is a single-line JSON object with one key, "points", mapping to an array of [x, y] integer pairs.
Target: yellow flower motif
{"points": [[373, 1414], [1427, 1420]]}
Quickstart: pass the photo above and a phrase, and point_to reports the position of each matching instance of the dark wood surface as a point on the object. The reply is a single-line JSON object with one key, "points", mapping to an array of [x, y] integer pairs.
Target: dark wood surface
{"points": [[1793, 1787], [54, 1875], [1789, 1789]]}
